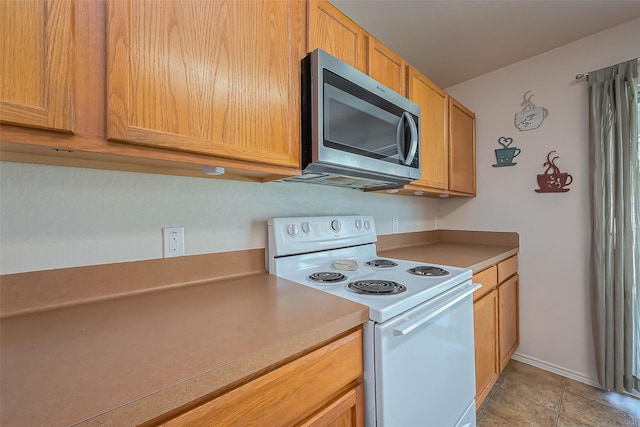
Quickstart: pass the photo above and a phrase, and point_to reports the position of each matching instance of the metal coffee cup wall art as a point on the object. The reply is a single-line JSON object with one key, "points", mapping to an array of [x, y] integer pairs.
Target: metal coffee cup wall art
{"points": [[530, 117], [506, 154], [552, 180]]}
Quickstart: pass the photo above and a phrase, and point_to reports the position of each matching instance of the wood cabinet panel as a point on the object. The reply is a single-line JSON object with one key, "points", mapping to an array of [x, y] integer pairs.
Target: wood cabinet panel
{"points": [[509, 324], [488, 279], [496, 323], [434, 139], [206, 77], [37, 63], [485, 315], [332, 31], [346, 411], [386, 66], [293, 392], [507, 268], [462, 148]]}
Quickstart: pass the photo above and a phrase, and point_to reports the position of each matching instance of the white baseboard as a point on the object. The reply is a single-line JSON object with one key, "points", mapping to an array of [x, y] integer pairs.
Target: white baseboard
{"points": [[556, 369]]}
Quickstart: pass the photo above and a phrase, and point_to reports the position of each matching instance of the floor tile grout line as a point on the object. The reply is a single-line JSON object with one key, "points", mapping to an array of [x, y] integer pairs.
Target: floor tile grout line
{"points": [[559, 410]]}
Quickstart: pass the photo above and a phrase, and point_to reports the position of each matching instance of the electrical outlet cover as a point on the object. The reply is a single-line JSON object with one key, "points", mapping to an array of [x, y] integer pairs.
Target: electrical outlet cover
{"points": [[173, 241]]}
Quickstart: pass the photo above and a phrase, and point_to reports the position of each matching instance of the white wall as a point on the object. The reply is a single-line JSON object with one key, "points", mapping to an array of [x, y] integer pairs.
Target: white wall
{"points": [[554, 229], [54, 217]]}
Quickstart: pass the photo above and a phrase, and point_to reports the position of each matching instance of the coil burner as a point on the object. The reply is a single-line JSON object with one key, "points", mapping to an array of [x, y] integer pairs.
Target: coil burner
{"points": [[327, 277], [427, 270], [376, 287], [381, 263]]}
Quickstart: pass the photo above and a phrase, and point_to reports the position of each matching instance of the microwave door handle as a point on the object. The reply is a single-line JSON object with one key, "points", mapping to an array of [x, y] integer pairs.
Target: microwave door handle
{"points": [[413, 148], [400, 138]]}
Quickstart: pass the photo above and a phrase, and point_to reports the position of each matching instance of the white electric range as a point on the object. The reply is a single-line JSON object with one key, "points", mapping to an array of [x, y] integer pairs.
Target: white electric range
{"points": [[418, 344]]}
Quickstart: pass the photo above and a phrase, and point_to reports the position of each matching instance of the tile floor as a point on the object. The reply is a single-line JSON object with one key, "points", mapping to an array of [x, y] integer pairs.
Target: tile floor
{"points": [[527, 396]]}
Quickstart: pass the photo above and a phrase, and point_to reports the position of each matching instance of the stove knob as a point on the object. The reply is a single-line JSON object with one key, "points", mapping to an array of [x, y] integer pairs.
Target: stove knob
{"points": [[306, 227], [335, 225], [367, 225], [292, 229], [358, 224]]}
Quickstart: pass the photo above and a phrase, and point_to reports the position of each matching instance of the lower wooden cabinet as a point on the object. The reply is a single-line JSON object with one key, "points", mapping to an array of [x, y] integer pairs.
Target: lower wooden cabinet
{"points": [[322, 388], [496, 324], [485, 318], [345, 411], [508, 320]]}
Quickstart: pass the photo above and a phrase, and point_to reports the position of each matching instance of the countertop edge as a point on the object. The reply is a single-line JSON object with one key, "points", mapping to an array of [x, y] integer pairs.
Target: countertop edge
{"points": [[476, 268]]}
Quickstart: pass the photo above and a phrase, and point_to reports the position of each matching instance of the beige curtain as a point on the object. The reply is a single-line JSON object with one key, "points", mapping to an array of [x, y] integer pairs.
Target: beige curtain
{"points": [[615, 210]]}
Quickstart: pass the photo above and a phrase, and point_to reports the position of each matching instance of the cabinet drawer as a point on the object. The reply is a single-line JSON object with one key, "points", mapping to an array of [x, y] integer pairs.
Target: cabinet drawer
{"points": [[507, 268], [288, 394], [488, 279]]}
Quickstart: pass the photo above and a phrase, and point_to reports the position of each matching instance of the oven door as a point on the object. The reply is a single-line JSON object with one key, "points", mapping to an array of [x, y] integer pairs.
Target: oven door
{"points": [[424, 363]]}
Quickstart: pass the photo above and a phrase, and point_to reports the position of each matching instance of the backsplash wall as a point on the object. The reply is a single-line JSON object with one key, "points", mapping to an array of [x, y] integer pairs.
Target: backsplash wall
{"points": [[55, 217]]}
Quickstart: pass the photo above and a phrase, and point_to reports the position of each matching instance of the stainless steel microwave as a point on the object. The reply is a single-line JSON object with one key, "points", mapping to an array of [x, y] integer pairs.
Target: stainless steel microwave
{"points": [[356, 132]]}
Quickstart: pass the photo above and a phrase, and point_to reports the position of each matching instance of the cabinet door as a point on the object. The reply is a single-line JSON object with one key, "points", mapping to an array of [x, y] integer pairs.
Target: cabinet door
{"points": [[37, 63], [485, 323], [434, 150], [462, 146], [208, 77], [332, 31], [509, 336], [346, 411], [386, 66]]}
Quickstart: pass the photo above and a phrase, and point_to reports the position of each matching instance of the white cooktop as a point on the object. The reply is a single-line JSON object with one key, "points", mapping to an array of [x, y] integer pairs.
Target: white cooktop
{"points": [[297, 267]]}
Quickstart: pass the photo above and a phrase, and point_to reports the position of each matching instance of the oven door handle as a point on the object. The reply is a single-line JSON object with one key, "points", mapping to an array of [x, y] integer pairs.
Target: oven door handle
{"points": [[458, 296]]}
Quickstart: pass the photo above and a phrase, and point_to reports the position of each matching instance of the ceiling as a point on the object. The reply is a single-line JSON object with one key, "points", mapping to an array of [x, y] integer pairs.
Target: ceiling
{"points": [[451, 41]]}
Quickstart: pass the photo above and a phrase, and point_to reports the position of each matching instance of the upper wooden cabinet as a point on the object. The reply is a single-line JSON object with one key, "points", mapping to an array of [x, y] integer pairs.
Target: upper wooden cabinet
{"points": [[434, 130], [462, 148], [37, 63], [386, 66], [332, 31], [193, 84], [216, 77]]}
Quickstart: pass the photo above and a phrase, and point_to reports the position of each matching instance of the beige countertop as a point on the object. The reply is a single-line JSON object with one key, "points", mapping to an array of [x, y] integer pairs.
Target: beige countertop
{"points": [[467, 249], [126, 360], [121, 344], [477, 257]]}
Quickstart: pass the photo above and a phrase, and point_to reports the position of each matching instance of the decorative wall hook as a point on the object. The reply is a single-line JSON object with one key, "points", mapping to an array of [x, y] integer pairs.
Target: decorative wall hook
{"points": [[530, 117], [552, 180], [506, 154]]}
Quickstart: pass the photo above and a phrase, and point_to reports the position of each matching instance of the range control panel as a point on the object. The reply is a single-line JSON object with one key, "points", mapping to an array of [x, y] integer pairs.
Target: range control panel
{"points": [[289, 236]]}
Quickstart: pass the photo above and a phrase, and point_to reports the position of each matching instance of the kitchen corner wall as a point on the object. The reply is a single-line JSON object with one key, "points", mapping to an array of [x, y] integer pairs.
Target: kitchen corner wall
{"points": [[53, 217], [555, 321]]}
